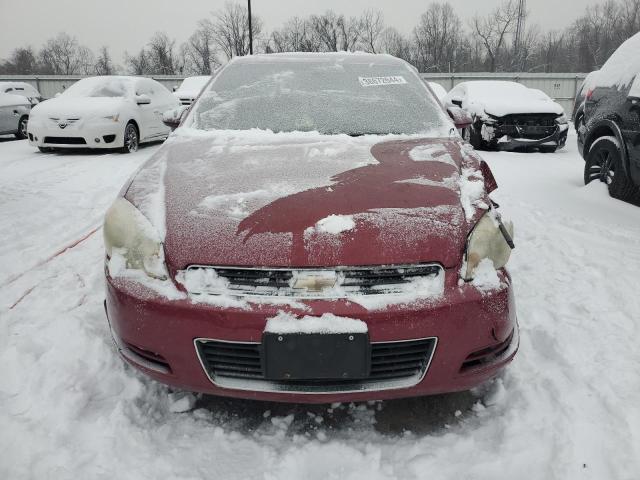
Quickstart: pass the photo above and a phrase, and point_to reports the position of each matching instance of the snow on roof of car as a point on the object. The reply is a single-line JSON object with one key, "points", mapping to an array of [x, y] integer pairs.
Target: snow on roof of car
{"points": [[8, 99], [501, 98], [102, 86], [349, 57], [621, 68]]}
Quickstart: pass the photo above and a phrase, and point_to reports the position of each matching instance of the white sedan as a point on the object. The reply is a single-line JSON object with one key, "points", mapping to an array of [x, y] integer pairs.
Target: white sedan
{"points": [[102, 112], [190, 88]]}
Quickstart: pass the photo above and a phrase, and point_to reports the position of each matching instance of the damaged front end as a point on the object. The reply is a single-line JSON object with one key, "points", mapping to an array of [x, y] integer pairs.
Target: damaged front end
{"points": [[546, 131]]}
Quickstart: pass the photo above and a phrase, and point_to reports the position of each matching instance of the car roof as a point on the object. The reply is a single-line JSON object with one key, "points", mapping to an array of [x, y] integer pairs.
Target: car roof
{"points": [[340, 57]]}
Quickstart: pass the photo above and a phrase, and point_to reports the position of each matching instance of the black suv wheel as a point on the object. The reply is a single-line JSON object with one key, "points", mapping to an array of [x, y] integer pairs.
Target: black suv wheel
{"points": [[604, 163]]}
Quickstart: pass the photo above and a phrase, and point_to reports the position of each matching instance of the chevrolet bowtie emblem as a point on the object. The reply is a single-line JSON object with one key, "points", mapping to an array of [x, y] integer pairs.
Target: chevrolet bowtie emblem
{"points": [[314, 282], [63, 124]]}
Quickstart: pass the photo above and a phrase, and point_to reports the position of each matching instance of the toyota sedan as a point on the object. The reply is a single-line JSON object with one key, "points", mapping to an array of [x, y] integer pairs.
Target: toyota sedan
{"points": [[314, 231]]}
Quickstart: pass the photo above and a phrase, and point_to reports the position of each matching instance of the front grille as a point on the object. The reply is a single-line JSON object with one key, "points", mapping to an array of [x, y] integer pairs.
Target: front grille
{"points": [[532, 126], [339, 282], [240, 365], [65, 140]]}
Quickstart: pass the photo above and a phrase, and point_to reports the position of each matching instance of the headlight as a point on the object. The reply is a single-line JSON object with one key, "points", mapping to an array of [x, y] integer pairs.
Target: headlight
{"points": [[561, 119], [487, 241], [113, 118], [128, 233]]}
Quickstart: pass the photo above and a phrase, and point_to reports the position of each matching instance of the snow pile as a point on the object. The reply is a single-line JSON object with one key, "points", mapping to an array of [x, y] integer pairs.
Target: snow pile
{"points": [[202, 280], [485, 276], [471, 186], [334, 224], [327, 323], [620, 69]]}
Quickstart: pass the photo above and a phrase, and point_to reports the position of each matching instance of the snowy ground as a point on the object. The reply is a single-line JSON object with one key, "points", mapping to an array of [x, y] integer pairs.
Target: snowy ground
{"points": [[567, 408]]}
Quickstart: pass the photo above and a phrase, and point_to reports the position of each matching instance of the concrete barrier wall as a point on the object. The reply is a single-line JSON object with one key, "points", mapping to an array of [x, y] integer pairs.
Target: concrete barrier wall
{"points": [[560, 86]]}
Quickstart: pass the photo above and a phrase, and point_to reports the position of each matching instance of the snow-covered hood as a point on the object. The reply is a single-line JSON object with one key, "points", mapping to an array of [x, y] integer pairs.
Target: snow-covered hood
{"points": [[306, 200], [76, 107], [509, 106]]}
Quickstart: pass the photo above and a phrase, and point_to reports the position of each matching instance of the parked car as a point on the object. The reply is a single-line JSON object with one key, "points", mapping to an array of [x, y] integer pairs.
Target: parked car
{"points": [[509, 116], [190, 88], [21, 88], [314, 231], [102, 112], [438, 90], [608, 139], [14, 115]]}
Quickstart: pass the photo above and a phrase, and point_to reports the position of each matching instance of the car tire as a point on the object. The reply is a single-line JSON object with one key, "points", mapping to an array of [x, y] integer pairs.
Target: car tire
{"points": [[45, 149], [604, 163], [548, 149], [131, 138], [21, 134]]}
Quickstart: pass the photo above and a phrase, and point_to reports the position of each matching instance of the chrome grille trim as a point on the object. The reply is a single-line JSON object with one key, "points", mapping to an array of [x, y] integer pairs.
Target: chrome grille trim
{"points": [[349, 281]]}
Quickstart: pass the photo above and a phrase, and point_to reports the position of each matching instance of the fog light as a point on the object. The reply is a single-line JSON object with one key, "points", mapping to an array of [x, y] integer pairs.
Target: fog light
{"points": [[97, 140]]}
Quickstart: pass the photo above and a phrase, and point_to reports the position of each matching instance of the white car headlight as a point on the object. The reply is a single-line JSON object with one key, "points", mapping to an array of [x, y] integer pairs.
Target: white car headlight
{"points": [[487, 240], [128, 233]]}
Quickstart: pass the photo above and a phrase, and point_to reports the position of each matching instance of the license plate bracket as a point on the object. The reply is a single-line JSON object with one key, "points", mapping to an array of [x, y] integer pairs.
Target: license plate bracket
{"points": [[316, 356]]}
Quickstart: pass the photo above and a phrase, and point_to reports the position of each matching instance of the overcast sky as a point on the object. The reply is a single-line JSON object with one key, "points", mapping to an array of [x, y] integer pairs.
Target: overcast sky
{"points": [[128, 24]]}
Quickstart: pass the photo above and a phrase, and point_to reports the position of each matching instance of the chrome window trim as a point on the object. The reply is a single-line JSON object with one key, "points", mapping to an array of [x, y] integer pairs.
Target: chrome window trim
{"points": [[259, 385]]}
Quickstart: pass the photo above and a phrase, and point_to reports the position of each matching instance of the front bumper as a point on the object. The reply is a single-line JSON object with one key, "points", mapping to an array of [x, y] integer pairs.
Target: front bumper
{"points": [[507, 140], [98, 135], [476, 335]]}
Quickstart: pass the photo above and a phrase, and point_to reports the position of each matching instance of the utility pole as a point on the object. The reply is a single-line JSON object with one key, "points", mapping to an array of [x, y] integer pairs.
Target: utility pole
{"points": [[250, 31], [520, 27]]}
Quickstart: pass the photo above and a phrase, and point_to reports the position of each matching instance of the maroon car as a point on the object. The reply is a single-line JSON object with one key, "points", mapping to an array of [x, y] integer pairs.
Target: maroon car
{"points": [[315, 231]]}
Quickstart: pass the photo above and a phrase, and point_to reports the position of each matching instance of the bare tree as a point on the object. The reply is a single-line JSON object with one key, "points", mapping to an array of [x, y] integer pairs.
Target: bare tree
{"points": [[296, 35], [63, 55], [437, 36], [326, 29], [22, 61], [139, 64], [199, 51], [394, 43], [231, 30], [162, 56], [372, 24], [494, 29], [103, 64]]}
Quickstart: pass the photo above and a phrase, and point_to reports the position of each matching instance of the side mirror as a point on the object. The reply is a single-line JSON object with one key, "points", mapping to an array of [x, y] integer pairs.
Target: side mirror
{"points": [[172, 118], [175, 87], [460, 117], [143, 99], [490, 183]]}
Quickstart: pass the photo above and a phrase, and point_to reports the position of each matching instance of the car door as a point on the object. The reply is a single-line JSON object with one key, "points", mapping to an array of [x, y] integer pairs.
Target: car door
{"points": [[8, 118], [146, 112]]}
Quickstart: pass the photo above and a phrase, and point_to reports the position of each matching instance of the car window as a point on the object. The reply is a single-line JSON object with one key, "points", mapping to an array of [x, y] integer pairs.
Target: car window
{"points": [[320, 94]]}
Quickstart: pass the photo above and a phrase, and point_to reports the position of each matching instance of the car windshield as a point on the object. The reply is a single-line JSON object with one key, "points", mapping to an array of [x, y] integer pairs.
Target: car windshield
{"points": [[100, 87], [193, 83], [328, 94]]}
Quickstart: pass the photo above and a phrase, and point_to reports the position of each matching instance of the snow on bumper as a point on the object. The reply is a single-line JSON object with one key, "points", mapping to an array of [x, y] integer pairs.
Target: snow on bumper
{"points": [[475, 333], [89, 134]]}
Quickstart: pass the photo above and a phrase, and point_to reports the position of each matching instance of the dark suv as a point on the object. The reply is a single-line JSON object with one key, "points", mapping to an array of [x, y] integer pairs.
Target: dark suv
{"points": [[609, 133]]}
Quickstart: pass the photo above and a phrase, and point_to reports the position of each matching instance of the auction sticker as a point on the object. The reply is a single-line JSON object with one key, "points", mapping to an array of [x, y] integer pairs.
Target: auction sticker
{"points": [[377, 81]]}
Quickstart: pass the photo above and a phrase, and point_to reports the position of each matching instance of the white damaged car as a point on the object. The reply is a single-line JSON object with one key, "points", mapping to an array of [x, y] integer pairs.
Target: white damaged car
{"points": [[509, 116], [102, 112]]}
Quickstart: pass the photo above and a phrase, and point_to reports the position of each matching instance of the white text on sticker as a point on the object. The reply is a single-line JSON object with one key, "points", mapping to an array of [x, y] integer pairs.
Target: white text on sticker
{"points": [[376, 81]]}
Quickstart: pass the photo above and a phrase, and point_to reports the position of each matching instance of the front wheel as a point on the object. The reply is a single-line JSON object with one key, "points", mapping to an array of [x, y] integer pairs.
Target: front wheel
{"points": [[45, 149], [470, 135], [131, 139], [604, 163], [548, 148], [21, 134]]}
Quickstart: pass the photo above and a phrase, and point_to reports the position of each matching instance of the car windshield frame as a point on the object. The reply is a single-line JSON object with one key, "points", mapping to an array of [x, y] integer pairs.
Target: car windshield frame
{"points": [[284, 94]]}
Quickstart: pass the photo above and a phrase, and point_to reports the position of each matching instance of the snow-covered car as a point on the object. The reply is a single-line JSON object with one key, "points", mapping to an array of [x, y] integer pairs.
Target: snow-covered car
{"points": [[509, 116], [609, 133], [22, 88], [102, 112], [14, 115], [315, 231], [438, 90], [190, 88]]}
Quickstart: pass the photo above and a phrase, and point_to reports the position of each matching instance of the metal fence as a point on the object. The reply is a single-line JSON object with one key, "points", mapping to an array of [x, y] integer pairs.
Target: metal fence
{"points": [[560, 86]]}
